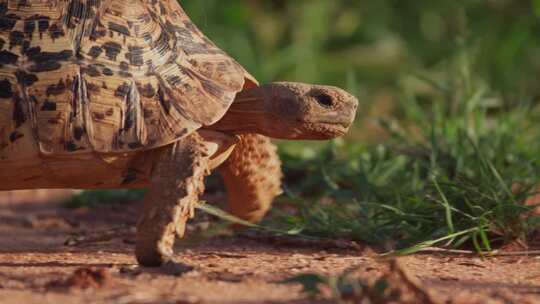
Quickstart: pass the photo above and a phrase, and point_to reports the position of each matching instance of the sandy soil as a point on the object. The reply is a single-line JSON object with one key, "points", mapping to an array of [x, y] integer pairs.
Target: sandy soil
{"points": [[53, 255]]}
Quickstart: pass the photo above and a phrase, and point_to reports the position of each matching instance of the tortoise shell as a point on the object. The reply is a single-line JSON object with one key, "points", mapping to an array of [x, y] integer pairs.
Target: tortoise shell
{"points": [[108, 76]]}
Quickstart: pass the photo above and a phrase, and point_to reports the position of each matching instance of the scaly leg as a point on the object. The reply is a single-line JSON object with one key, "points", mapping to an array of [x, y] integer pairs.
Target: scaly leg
{"points": [[176, 182], [252, 175]]}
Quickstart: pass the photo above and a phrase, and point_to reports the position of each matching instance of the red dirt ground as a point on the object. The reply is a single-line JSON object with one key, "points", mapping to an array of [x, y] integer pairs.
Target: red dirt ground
{"points": [[37, 267]]}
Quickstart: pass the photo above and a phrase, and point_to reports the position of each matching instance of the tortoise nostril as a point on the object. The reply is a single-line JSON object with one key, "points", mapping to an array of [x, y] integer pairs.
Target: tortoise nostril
{"points": [[325, 100]]}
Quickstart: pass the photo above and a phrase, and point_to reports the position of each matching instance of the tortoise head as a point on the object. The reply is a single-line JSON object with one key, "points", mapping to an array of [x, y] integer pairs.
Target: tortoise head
{"points": [[289, 110]]}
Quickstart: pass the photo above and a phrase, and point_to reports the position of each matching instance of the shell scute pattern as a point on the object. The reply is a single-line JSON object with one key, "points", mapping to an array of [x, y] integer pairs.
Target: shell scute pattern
{"points": [[108, 76]]}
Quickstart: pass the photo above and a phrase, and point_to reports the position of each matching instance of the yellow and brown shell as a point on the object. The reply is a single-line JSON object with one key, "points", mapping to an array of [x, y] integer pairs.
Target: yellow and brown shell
{"points": [[108, 75]]}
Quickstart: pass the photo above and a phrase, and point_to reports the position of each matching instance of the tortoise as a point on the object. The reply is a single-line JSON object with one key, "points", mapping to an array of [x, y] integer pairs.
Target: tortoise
{"points": [[130, 94]]}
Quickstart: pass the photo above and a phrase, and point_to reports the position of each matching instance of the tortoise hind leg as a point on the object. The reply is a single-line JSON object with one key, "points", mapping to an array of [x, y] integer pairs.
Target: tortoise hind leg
{"points": [[252, 176], [176, 183]]}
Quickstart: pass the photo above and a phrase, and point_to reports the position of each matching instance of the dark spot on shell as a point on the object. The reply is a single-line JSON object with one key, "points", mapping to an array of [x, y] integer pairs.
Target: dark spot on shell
{"points": [[124, 66], [56, 31], [115, 27], [92, 70], [112, 49], [95, 51], [8, 22], [56, 89], [38, 56], [147, 91], [108, 72], [25, 46], [45, 67], [25, 78], [33, 51], [14, 136], [135, 56], [7, 57], [43, 25], [92, 87], [47, 61], [99, 116], [19, 115], [122, 91], [29, 27], [5, 89], [78, 133], [15, 38], [48, 106]]}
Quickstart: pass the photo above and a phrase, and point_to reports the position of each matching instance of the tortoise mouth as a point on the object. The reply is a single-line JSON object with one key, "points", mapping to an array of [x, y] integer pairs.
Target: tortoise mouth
{"points": [[337, 128], [345, 124], [322, 130], [341, 124]]}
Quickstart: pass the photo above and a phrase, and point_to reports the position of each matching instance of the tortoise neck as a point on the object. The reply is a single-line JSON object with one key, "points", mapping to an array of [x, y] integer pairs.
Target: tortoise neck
{"points": [[247, 113]]}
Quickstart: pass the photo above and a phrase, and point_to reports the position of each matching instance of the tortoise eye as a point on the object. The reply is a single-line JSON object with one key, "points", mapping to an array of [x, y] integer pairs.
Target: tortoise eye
{"points": [[324, 100]]}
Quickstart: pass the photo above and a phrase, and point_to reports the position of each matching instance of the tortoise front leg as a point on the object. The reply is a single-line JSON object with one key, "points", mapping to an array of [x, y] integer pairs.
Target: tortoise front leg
{"points": [[176, 182], [252, 176]]}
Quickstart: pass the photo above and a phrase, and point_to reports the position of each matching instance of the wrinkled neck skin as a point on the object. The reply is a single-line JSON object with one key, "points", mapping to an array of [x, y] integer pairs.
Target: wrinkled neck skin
{"points": [[252, 112]]}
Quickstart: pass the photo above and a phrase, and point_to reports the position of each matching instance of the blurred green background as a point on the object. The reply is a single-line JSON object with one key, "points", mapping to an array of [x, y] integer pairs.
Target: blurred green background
{"points": [[371, 46]]}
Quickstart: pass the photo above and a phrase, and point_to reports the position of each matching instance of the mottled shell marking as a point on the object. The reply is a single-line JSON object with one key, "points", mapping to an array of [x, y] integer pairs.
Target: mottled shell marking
{"points": [[107, 76]]}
